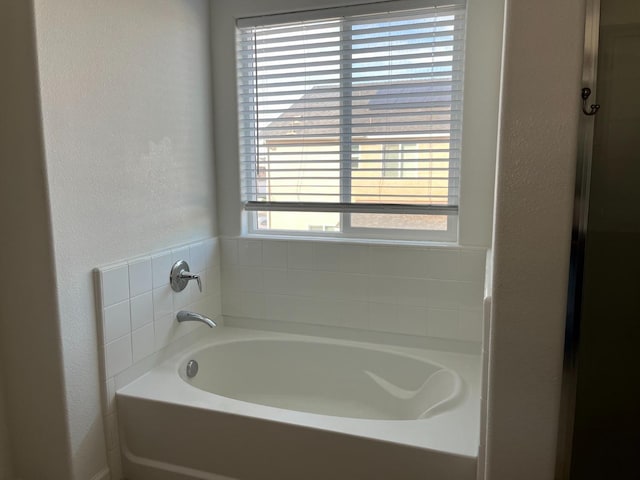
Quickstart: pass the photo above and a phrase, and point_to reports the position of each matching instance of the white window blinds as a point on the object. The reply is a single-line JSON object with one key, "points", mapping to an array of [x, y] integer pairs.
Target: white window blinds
{"points": [[352, 113]]}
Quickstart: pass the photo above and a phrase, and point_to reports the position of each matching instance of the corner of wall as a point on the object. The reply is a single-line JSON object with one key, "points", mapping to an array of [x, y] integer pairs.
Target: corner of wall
{"points": [[29, 328], [534, 198]]}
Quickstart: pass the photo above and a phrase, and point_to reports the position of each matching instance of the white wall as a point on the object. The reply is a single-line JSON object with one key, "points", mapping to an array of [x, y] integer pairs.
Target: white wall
{"points": [[30, 342], [482, 67], [535, 183], [480, 123], [127, 121]]}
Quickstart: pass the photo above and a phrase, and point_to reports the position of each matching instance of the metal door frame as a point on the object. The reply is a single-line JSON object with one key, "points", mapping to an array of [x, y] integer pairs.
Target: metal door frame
{"points": [[578, 239]]}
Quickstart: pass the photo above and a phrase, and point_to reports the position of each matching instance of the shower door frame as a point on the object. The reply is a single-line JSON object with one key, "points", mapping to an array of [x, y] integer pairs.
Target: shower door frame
{"points": [[578, 239]]}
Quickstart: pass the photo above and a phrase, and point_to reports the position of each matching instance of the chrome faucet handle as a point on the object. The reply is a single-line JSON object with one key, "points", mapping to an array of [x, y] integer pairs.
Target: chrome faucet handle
{"points": [[180, 276], [191, 276]]}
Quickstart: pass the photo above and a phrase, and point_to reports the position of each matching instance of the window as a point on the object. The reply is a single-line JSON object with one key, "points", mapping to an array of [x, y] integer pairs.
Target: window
{"points": [[391, 164], [350, 120], [400, 160]]}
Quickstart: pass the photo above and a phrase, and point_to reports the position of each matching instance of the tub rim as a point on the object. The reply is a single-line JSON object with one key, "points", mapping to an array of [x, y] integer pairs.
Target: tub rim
{"points": [[456, 396]]}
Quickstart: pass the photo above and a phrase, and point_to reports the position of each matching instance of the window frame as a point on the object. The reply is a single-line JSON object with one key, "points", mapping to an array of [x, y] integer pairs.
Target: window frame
{"points": [[359, 233], [346, 228]]}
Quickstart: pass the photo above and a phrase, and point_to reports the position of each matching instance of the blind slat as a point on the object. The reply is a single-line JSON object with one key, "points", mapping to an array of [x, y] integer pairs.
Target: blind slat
{"points": [[387, 208], [332, 45], [408, 78], [248, 72]]}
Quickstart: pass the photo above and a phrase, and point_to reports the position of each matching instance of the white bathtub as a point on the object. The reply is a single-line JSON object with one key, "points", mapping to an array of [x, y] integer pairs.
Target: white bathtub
{"points": [[274, 406]]}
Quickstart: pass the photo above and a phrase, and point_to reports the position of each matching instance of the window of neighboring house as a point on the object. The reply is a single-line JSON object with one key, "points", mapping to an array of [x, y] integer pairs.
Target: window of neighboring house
{"points": [[400, 160], [350, 120], [391, 161]]}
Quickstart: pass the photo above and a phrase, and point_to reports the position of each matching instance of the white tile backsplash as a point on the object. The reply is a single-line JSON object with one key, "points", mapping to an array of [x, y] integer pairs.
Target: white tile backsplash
{"points": [[354, 259], [249, 252], [115, 284], [381, 289], [401, 289], [110, 396], [117, 355], [471, 325], [183, 298], [326, 256], [182, 253], [443, 264], [161, 268], [141, 310], [274, 281], [136, 316], [277, 307], [162, 301], [411, 291], [165, 327], [442, 323], [274, 254], [472, 265], [353, 314], [140, 277], [399, 261], [411, 320], [230, 248], [250, 279], [381, 316], [117, 321], [198, 257], [112, 431], [470, 294], [299, 255], [138, 304], [443, 294], [143, 342]]}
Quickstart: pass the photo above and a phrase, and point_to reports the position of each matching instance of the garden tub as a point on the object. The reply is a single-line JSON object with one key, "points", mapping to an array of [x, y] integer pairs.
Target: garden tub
{"points": [[266, 405]]}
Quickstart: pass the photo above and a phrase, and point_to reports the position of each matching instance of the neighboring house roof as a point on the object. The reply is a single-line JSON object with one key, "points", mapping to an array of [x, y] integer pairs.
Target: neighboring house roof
{"points": [[372, 108]]}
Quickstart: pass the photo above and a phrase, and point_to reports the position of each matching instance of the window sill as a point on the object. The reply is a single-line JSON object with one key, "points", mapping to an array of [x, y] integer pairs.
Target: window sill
{"points": [[358, 241]]}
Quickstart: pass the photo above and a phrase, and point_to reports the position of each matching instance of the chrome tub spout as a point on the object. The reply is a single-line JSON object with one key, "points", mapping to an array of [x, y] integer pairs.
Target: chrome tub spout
{"points": [[185, 316]]}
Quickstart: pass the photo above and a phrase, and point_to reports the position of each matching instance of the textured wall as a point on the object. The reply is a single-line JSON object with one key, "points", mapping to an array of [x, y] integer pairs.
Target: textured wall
{"points": [[30, 341], [535, 183], [127, 129]]}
